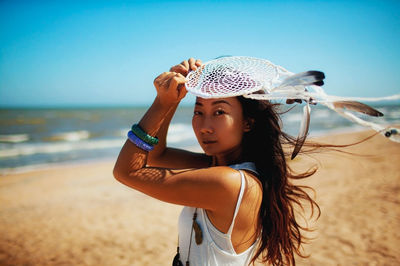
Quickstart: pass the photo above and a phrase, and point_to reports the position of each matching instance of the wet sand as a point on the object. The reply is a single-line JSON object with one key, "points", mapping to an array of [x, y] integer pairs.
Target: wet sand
{"points": [[80, 215]]}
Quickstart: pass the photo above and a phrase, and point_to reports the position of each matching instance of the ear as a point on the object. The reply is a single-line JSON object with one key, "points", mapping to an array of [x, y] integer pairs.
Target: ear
{"points": [[248, 124]]}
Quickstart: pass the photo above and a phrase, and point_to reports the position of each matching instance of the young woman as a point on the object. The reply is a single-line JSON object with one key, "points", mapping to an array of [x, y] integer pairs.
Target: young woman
{"points": [[238, 195]]}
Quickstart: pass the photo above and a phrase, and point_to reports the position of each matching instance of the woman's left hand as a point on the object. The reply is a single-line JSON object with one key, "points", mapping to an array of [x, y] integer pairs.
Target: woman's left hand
{"points": [[186, 66], [170, 88]]}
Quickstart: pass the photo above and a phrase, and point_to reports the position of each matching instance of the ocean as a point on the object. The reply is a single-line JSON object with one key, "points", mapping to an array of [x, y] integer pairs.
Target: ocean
{"points": [[41, 137]]}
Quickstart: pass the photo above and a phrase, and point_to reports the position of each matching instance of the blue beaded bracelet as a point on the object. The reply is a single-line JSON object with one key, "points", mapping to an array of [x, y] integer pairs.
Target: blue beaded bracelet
{"points": [[139, 132], [138, 142]]}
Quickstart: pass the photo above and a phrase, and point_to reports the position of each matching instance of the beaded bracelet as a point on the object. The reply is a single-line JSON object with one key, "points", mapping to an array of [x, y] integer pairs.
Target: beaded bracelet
{"points": [[138, 142], [143, 135]]}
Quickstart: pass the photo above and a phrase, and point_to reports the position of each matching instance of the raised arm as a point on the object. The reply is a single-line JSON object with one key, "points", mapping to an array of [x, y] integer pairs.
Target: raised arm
{"points": [[209, 188], [164, 156]]}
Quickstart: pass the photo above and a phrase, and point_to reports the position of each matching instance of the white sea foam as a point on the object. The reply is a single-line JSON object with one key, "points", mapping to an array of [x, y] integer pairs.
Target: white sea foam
{"points": [[180, 132], [14, 138], [177, 133], [294, 117], [71, 136], [179, 127], [394, 115], [105, 132], [121, 132], [320, 114]]}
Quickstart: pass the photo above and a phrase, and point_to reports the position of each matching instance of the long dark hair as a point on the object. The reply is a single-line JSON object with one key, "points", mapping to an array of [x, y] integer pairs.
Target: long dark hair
{"points": [[281, 235]]}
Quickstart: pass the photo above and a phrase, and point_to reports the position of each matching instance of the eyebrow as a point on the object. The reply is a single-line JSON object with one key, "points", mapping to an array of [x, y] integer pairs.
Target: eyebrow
{"points": [[214, 103]]}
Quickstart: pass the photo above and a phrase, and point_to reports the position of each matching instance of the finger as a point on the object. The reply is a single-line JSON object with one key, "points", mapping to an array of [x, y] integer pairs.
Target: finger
{"points": [[178, 83], [167, 80], [180, 76], [185, 63], [180, 69], [192, 64], [172, 69], [182, 91], [159, 82], [160, 79], [176, 80], [181, 87], [198, 62]]}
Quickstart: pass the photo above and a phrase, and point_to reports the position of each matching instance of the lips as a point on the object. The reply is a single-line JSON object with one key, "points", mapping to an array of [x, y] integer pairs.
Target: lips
{"points": [[209, 141]]}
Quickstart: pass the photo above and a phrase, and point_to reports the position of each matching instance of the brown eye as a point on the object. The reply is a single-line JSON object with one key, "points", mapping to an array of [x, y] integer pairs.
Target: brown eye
{"points": [[219, 112], [197, 113]]}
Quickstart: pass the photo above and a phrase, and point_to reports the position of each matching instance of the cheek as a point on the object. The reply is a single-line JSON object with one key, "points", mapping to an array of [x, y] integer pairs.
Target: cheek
{"points": [[227, 128], [195, 126], [230, 129]]}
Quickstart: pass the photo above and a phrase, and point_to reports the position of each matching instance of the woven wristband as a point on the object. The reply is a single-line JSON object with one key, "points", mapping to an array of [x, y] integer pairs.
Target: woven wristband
{"points": [[138, 142], [143, 135]]}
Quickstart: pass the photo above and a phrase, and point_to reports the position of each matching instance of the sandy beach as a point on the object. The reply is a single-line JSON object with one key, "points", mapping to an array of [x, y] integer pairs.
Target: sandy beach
{"points": [[80, 215]]}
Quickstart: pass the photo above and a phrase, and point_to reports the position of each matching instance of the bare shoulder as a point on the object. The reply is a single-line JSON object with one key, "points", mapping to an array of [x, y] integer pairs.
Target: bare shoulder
{"points": [[224, 175], [229, 180], [252, 180], [221, 184], [245, 229], [254, 188], [231, 183]]}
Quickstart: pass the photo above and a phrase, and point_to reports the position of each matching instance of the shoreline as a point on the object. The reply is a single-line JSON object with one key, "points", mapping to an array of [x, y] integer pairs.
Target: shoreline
{"points": [[80, 215], [195, 148]]}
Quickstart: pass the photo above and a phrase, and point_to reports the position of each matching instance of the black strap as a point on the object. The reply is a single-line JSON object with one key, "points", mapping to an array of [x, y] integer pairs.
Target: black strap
{"points": [[177, 259], [191, 234]]}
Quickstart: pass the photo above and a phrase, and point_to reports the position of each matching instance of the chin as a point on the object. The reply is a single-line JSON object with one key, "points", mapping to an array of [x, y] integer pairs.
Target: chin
{"points": [[213, 151], [208, 151]]}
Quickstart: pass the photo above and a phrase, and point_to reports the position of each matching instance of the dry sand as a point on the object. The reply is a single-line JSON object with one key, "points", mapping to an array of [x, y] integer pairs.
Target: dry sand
{"points": [[79, 215]]}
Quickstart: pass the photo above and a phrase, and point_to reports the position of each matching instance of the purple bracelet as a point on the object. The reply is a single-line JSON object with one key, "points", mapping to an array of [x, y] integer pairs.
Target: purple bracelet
{"points": [[138, 142]]}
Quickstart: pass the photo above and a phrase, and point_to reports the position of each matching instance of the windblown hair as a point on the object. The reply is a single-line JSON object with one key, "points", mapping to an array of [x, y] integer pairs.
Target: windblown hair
{"points": [[280, 233]]}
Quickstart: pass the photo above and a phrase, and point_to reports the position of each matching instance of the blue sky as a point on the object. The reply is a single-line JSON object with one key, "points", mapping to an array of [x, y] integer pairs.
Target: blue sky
{"points": [[85, 53]]}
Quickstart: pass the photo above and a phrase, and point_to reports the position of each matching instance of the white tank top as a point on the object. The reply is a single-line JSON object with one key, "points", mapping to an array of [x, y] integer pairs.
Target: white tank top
{"points": [[216, 248]]}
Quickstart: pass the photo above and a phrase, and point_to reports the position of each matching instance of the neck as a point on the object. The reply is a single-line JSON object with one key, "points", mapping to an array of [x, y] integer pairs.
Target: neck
{"points": [[231, 157]]}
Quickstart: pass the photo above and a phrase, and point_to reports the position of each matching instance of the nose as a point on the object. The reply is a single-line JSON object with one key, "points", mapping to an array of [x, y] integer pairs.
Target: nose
{"points": [[206, 127], [207, 130]]}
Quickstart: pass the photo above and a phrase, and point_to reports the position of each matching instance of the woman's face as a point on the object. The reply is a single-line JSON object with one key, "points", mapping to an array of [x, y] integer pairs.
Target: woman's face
{"points": [[219, 125]]}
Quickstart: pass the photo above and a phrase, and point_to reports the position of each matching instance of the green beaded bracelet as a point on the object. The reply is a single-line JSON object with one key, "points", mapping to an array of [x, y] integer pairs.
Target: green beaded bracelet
{"points": [[143, 135]]}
